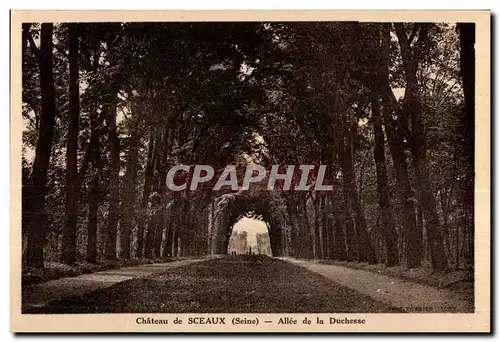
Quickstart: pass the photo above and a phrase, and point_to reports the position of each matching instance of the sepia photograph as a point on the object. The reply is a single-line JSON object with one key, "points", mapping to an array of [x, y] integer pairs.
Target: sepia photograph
{"points": [[279, 172]]}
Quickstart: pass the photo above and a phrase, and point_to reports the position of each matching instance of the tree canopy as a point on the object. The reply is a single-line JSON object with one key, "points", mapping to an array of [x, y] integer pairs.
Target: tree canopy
{"points": [[108, 108]]}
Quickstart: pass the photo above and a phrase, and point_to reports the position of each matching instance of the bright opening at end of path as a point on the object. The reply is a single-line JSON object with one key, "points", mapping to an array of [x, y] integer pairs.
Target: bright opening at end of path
{"points": [[249, 235]]}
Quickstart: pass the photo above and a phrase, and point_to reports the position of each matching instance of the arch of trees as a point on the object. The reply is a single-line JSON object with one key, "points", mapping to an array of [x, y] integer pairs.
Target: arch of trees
{"points": [[109, 107], [261, 205]]}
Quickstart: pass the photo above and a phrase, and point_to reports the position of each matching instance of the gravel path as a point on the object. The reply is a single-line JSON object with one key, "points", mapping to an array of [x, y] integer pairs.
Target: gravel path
{"points": [[408, 296], [39, 295]]}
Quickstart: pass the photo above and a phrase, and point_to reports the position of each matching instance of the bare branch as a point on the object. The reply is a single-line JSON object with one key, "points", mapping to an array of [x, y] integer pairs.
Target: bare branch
{"points": [[34, 49], [414, 31]]}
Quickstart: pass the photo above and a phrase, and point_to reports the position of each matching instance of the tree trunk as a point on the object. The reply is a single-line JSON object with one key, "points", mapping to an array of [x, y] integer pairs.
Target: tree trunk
{"points": [[316, 235], [365, 250], [306, 241], [416, 140], [72, 184], [168, 243], [159, 220], [95, 186], [94, 197], [326, 229], [412, 245], [467, 33], [114, 183], [145, 196], [351, 250], [275, 239], [36, 187], [155, 203], [171, 214], [339, 236], [155, 207], [25, 36], [389, 230], [291, 210], [175, 243], [128, 195]]}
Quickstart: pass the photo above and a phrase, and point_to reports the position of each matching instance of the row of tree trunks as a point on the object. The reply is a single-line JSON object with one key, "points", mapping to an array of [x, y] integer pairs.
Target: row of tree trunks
{"points": [[360, 241], [311, 235], [141, 222], [349, 237], [326, 237]]}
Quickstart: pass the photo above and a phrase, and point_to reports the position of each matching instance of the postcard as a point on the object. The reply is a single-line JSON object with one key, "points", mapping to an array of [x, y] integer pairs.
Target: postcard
{"points": [[250, 171]]}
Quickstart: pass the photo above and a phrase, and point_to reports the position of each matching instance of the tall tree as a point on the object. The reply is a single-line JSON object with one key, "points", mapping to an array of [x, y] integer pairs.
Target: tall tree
{"points": [[467, 32], [394, 129], [150, 162], [390, 234], [36, 188], [72, 183], [416, 138], [94, 196], [128, 212], [114, 176]]}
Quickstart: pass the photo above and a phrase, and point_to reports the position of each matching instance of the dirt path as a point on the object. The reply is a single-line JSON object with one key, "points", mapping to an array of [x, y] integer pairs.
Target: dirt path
{"points": [[39, 295], [408, 296]]}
